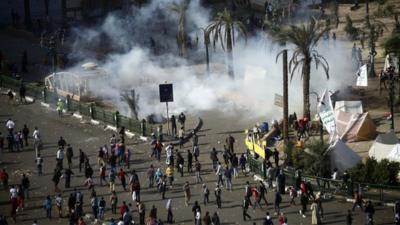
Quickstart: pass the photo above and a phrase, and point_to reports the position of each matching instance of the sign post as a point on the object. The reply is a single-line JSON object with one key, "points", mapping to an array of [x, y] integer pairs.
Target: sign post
{"points": [[166, 95]]}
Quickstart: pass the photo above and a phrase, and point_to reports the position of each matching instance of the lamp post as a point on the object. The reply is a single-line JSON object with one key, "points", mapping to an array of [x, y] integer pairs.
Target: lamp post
{"points": [[392, 79]]}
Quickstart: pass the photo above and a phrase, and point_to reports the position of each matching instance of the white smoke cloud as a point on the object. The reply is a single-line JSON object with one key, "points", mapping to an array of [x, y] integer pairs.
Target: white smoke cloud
{"points": [[257, 75]]}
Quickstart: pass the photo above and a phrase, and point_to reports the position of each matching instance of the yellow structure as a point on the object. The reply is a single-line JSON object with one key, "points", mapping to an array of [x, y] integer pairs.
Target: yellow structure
{"points": [[255, 144]]}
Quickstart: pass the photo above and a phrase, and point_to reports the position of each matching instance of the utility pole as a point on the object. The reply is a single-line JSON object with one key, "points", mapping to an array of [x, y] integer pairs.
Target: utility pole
{"points": [[285, 98]]}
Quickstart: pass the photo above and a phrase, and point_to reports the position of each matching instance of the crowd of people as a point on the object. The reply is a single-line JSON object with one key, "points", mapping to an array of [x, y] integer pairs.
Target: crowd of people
{"points": [[116, 173]]}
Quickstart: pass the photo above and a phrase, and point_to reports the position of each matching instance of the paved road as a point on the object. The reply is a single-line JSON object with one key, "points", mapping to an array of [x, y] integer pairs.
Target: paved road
{"points": [[89, 137]]}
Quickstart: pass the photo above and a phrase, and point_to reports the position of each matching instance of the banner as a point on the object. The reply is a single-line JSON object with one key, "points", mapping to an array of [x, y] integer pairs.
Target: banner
{"points": [[362, 76], [326, 113]]}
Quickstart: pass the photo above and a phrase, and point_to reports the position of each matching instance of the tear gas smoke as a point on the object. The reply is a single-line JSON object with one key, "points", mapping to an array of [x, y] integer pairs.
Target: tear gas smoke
{"points": [[133, 63]]}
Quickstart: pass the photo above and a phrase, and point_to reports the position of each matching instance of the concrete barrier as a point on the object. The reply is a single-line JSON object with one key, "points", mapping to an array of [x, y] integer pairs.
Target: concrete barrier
{"points": [[94, 122], [45, 105], [109, 127], [143, 138], [78, 116], [29, 99], [129, 134]]}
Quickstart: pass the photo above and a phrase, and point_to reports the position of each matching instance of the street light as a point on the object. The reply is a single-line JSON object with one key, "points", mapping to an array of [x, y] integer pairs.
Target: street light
{"points": [[392, 79]]}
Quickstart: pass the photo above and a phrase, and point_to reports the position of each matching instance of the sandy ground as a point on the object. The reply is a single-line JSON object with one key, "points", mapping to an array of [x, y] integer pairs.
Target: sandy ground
{"points": [[88, 137]]}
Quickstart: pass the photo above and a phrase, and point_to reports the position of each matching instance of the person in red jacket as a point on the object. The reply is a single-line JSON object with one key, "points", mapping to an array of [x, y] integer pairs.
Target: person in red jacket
{"points": [[123, 208]]}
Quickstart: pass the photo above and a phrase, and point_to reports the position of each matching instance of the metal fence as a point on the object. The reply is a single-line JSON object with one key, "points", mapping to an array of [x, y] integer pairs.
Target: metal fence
{"points": [[379, 192], [86, 109]]}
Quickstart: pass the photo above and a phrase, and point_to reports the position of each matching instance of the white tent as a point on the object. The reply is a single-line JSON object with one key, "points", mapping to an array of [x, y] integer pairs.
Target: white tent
{"points": [[383, 146], [349, 106], [342, 157], [394, 155]]}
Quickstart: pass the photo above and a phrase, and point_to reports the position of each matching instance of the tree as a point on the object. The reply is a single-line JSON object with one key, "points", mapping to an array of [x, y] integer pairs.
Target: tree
{"points": [[181, 36], [46, 7], [132, 99], [206, 37], [27, 13], [223, 29], [305, 39]]}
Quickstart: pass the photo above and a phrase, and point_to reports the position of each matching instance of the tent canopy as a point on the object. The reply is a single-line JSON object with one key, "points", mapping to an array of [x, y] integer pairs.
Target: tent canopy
{"points": [[353, 127], [349, 106], [383, 146], [342, 157]]}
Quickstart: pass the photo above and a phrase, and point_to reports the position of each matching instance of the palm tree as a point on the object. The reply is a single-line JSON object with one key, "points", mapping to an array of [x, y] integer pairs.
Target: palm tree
{"points": [[305, 38], [207, 45], [223, 28], [181, 36]]}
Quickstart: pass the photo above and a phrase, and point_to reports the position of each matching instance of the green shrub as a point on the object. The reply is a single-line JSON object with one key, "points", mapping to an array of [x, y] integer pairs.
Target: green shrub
{"points": [[374, 172]]}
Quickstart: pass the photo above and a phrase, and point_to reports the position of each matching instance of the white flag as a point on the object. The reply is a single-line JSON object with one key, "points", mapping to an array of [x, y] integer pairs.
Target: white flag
{"points": [[326, 113], [362, 76]]}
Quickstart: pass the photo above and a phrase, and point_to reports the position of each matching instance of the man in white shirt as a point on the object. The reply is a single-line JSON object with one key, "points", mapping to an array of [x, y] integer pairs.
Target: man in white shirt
{"points": [[10, 125], [13, 192], [219, 173], [60, 157], [36, 141]]}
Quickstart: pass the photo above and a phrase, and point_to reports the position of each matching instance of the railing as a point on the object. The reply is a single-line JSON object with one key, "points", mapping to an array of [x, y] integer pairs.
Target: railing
{"points": [[86, 109], [379, 192]]}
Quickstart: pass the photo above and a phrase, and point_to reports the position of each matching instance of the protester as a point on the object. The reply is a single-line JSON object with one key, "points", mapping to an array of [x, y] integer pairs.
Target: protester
{"points": [[218, 193], [186, 190], [245, 207]]}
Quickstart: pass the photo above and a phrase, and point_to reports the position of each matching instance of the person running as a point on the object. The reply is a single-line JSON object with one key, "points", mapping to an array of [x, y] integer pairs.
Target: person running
{"points": [[190, 161], [81, 159], [181, 120], [25, 133], [277, 202], [215, 219], [220, 173], [228, 177], [122, 178], [218, 193], [60, 107], [114, 202], [102, 175], [59, 204], [197, 167], [186, 190], [206, 194], [358, 201], [48, 205], [102, 208], [245, 207], [214, 159], [142, 212], [169, 172]]}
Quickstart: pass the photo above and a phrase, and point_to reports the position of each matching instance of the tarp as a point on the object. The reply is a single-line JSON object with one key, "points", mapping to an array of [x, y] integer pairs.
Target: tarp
{"points": [[349, 106], [342, 157], [353, 127], [383, 146]]}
